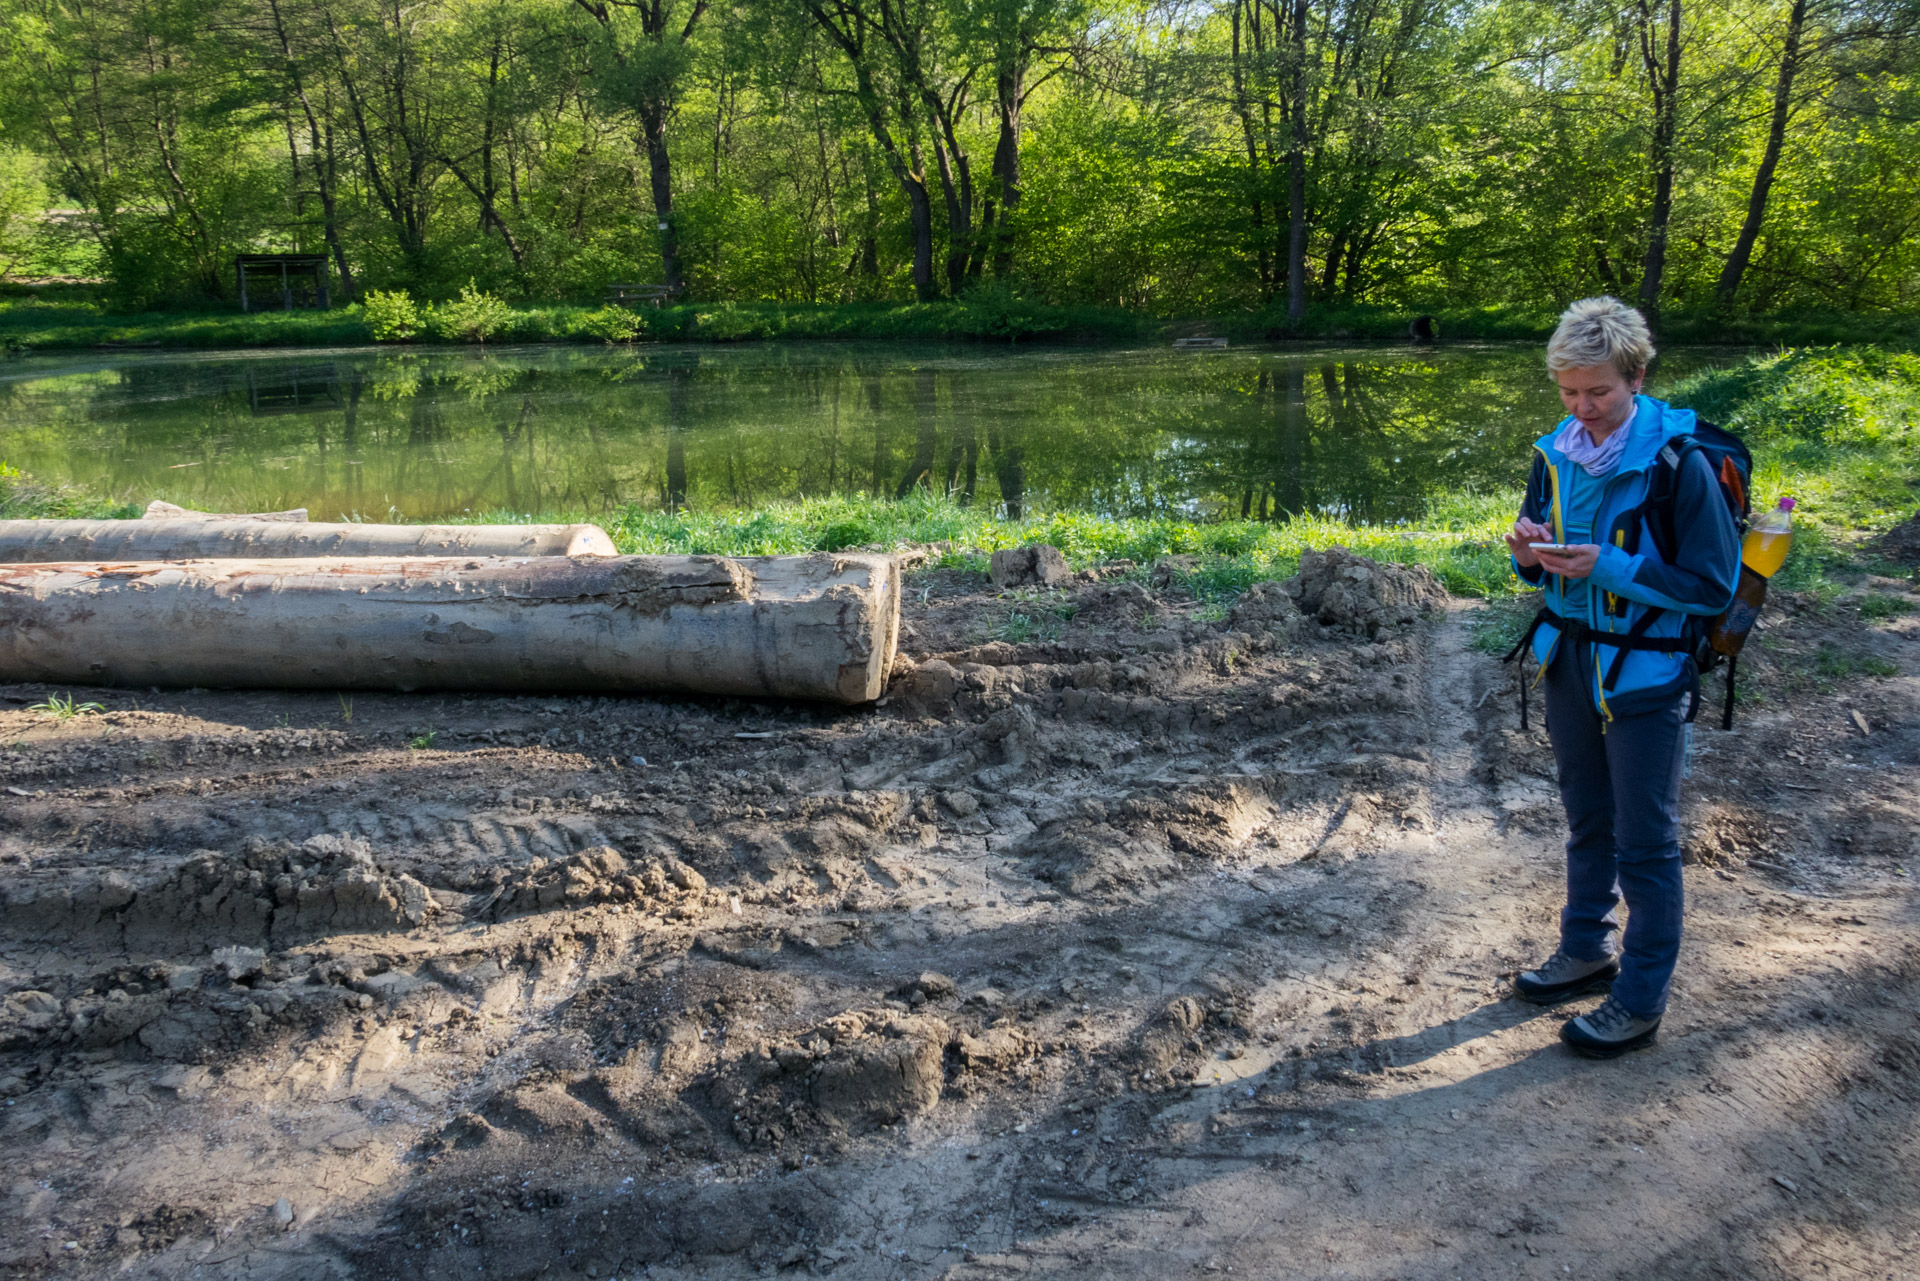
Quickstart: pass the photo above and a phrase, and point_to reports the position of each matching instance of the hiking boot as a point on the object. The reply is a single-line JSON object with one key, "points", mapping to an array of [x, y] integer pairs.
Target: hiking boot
{"points": [[1562, 978], [1609, 1031]]}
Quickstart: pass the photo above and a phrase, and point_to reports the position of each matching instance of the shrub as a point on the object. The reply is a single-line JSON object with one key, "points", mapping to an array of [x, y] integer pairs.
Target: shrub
{"points": [[611, 324], [842, 534], [391, 315], [474, 316]]}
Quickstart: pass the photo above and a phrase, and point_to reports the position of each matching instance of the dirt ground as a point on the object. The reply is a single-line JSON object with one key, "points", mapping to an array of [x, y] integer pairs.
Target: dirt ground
{"points": [[1131, 943]]}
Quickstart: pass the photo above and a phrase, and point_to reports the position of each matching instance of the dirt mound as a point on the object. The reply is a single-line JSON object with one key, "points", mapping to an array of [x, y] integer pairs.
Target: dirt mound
{"points": [[853, 1071], [1355, 594], [1036, 564], [273, 893], [1112, 605], [601, 875], [1266, 607], [1901, 544]]}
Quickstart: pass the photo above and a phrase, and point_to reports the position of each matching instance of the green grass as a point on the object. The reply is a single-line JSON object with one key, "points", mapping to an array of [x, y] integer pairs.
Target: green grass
{"points": [[1878, 608], [1512, 322], [1496, 628], [32, 324], [65, 709], [1229, 556], [23, 498], [1834, 663], [1837, 428], [54, 318]]}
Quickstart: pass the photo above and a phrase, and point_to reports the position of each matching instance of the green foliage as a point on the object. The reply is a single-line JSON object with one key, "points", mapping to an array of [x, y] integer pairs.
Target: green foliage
{"points": [[474, 316], [391, 315], [1837, 428], [62, 708], [611, 324], [1834, 663], [1843, 397], [1878, 607], [1482, 162], [23, 498]]}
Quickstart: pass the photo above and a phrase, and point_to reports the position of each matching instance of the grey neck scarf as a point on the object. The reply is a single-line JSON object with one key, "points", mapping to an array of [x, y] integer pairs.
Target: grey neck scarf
{"points": [[1595, 460]]}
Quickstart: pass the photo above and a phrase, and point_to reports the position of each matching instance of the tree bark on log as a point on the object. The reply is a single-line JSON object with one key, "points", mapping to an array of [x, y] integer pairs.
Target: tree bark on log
{"points": [[181, 538], [819, 627]]}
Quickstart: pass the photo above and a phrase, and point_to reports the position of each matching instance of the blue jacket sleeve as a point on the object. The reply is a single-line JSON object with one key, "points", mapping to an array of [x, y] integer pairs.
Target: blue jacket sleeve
{"points": [[1534, 507], [1707, 556]]}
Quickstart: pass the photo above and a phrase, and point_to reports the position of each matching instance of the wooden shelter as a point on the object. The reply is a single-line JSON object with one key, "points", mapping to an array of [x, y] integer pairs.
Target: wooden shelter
{"points": [[301, 279]]}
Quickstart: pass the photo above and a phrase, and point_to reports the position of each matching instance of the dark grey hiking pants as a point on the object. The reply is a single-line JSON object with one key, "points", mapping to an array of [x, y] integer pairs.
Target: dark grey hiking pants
{"points": [[1621, 789]]}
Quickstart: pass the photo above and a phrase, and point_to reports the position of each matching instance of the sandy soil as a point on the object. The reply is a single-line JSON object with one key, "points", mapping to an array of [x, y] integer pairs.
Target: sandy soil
{"points": [[1140, 945]]}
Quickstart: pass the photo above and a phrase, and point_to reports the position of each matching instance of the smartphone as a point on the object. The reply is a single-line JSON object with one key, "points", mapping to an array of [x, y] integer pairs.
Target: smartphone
{"points": [[1551, 547]]}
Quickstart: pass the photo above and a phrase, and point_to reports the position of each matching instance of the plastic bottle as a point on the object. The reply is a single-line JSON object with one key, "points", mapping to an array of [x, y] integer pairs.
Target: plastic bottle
{"points": [[1764, 549], [1762, 552]]}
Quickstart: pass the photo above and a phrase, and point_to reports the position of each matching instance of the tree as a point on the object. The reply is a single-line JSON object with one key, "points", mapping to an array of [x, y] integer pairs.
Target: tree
{"points": [[1660, 55], [648, 68]]}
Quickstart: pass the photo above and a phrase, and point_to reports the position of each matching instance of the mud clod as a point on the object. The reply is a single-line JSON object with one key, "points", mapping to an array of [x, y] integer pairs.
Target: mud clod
{"points": [[1368, 597], [1034, 565]]}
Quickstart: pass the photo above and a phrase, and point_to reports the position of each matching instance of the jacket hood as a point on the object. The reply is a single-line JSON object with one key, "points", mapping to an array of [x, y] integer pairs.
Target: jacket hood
{"points": [[1655, 422]]}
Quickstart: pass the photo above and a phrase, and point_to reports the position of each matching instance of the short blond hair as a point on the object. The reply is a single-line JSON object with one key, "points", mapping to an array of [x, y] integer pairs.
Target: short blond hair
{"points": [[1601, 331]]}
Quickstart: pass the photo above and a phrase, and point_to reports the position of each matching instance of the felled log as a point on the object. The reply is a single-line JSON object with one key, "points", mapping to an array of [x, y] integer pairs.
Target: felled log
{"points": [[182, 538], [159, 509], [821, 626]]}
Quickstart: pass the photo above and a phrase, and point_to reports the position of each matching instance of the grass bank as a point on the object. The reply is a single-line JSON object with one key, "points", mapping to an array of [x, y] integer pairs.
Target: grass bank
{"points": [[49, 322], [33, 324], [1838, 428]]}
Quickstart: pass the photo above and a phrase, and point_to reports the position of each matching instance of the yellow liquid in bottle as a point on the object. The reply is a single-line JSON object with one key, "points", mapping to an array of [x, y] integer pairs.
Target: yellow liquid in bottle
{"points": [[1764, 552]]}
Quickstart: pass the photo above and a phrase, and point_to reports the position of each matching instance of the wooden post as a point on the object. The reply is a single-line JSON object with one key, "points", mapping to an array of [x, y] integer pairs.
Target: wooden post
{"points": [[286, 290], [240, 266], [820, 626]]}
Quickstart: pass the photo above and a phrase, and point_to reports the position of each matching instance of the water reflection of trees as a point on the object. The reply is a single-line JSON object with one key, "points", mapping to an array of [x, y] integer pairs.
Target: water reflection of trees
{"points": [[1365, 434]]}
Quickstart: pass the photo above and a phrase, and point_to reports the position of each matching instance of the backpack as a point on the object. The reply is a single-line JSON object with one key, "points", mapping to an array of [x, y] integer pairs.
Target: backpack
{"points": [[1732, 465]]}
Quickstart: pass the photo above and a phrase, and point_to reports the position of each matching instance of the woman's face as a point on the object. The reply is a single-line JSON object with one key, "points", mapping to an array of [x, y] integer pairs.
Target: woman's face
{"points": [[1600, 396]]}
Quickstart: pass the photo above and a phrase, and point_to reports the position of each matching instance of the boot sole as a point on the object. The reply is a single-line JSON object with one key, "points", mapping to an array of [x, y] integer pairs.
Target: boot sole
{"points": [[1561, 995], [1613, 1050]]}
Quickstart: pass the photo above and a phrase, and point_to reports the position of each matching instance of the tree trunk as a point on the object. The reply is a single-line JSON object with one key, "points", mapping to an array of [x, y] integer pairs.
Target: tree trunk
{"points": [[193, 537], [1736, 265], [1244, 109], [660, 175], [821, 626], [1297, 172], [850, 40], [1010, 89], [1663, 74]]}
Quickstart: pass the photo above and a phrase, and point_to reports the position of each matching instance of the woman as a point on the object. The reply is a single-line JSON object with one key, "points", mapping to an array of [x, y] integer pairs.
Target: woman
{"points": [[1617, 716]]}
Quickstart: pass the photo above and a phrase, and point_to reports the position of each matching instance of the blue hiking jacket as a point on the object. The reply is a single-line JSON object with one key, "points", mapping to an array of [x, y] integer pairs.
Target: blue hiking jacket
{"points": [[1623, 587]]}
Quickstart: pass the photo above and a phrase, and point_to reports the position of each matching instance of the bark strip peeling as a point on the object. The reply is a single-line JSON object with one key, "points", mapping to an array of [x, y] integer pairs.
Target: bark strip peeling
{"points": [[818, 627]]}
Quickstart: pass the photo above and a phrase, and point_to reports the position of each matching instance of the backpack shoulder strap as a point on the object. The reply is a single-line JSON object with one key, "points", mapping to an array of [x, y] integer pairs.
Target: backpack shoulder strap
{"points": [[1663, 485]]}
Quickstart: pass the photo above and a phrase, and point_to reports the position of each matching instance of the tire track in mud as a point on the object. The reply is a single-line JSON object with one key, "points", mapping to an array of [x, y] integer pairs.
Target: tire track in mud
{"points": [[826, 1012]]}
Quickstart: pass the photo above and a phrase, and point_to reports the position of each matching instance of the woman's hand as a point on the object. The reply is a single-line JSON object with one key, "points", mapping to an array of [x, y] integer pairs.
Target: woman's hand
{"points": [[1576, 561], [1524, 532]]}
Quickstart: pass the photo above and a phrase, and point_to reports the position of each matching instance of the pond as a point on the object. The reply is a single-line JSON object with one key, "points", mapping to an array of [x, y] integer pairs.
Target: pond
{"points": [[1372, 434]]}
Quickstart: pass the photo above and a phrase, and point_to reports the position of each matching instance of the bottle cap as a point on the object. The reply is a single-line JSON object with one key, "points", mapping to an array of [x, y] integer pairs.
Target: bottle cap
{"points": [[1786, 504]]}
